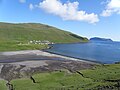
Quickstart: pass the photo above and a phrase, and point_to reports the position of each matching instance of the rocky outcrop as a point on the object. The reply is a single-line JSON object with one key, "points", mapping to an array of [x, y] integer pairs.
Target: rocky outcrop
{"points": [[21, 69]]}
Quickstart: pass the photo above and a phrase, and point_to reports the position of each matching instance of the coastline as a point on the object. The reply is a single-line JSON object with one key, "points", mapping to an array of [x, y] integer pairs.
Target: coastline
{"points": [[75, 58], [37, 54], [49, 62]]}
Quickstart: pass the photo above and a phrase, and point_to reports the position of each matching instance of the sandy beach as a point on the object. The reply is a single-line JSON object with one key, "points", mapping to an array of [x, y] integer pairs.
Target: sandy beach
{"points": [[34, 55]]}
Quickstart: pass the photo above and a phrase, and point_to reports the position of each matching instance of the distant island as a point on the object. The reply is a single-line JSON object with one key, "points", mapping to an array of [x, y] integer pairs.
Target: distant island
{"points": [[100, 39], [59, 45], [26, 66]]}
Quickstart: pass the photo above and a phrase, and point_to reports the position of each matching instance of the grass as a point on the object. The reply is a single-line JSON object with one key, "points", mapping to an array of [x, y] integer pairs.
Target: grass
{"points": [[51, 81], [10, 34], [14, 46], [103, 72], [3, 85], [61, 80]]}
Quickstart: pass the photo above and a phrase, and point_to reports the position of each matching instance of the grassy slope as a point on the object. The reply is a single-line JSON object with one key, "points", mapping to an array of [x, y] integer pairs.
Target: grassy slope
{"points": [[13, 46], [3, 85], [92, 80], [13, 34]]}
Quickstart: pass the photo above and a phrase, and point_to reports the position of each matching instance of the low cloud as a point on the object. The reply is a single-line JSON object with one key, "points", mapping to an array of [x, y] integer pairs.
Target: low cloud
{"points": [[67, 11], [22, 1], [31, 6], [113, 6]]}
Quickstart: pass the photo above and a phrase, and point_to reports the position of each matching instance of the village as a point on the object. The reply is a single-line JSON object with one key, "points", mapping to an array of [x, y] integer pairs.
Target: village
{"points": [[44, 42]]}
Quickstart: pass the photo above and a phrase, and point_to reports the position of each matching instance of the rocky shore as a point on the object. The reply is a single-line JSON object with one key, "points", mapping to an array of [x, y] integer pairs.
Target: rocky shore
{"points": [[19, 64]]}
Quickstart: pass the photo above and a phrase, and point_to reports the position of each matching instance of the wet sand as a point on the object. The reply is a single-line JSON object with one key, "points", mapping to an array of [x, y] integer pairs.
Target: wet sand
{"points": [[18, 64], [34, 55]]}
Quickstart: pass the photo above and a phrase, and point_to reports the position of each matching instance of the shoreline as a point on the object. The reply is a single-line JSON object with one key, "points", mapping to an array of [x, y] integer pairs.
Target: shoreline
{"points": [[26, 67], [41, 53], [85, 60], [79, 59]]}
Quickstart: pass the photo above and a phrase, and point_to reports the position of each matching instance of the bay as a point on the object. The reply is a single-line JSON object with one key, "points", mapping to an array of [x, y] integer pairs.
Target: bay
{"points": [[103, 52]]}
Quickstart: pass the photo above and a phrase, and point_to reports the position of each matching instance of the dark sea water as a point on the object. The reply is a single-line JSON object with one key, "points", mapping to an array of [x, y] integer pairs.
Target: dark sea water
{"points": [[103, 52]]}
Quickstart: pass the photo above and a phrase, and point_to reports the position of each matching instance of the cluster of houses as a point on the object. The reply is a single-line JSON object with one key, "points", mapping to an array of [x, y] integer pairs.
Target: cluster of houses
{"points": [[40, 42]]}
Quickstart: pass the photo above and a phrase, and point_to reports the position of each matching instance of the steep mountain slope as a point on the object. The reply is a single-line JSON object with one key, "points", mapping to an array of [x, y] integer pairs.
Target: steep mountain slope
{"points": [[33, 31], [19, 36]]}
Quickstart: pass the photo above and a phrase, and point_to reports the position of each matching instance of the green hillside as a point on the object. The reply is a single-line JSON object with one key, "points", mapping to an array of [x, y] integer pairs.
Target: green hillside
{"points": [[32, 31], [13, 34], [102, 77]]}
